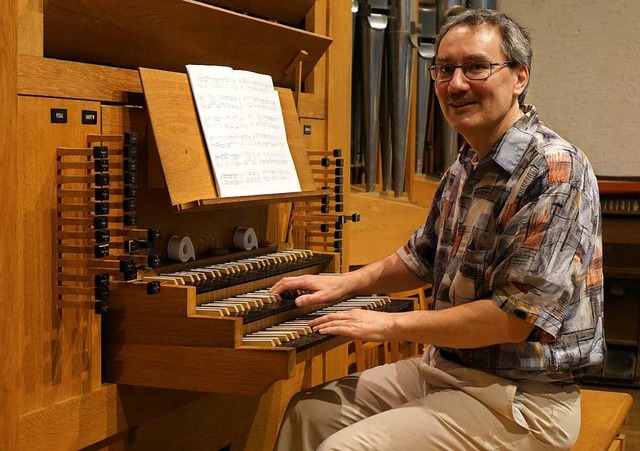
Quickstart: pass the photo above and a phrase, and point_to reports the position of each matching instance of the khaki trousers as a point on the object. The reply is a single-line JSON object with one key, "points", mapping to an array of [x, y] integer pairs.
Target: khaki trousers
{"points": [[430, 403]]}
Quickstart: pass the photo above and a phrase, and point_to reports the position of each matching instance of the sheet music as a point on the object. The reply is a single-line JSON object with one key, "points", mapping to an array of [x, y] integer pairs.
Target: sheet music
{"points": [[244, 130]]}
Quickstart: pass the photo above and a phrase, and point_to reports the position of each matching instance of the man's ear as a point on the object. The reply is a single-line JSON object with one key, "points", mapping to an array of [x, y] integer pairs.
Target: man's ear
{"points": [[522, 81]]}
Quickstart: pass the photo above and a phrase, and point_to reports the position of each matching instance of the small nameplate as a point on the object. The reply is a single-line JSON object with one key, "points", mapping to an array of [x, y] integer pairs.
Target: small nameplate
{"points": [[153, 260], [131, 138], [153, 287], [101, 250], [101, 280], [130, 190], [131, 246], [130, 151], [89, 117], [58, 115], [306, 129], [101, 194], [130, 220], [127, 265], [100, 222], [153, 234]]}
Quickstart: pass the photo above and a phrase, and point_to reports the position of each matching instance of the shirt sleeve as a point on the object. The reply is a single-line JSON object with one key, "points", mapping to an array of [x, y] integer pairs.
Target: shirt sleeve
{"points": [[419, 252], [544, 254]]}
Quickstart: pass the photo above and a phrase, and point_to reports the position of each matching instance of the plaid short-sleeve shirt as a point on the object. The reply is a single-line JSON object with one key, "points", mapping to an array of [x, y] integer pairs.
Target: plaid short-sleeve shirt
{"points": [[520, 227]]}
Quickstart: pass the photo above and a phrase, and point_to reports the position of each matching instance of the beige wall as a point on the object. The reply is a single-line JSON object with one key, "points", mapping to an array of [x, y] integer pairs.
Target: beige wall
{"points": [[586, 75]]}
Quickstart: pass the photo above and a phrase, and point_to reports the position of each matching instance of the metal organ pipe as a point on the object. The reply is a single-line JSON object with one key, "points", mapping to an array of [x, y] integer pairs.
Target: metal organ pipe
{"points": [[386, 125], [373, 23], [426, 54], [402, 31]]}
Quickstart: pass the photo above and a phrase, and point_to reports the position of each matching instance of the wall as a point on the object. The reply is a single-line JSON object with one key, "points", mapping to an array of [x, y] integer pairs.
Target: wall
{"points": [[585, 78]]}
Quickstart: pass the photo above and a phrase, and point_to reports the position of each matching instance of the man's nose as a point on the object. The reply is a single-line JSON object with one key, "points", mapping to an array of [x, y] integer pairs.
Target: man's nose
{"points": [[458, 81]]}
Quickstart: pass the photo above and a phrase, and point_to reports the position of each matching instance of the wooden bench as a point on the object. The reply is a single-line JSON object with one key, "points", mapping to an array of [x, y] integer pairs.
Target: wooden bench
{"points": [[603, 413]]}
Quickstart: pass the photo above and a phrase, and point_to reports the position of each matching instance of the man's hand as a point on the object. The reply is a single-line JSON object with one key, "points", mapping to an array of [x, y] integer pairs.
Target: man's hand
{"points": [[321, 289], [365, 325]]}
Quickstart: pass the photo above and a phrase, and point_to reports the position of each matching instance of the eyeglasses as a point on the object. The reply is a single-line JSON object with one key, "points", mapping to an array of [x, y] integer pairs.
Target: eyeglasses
{"points": [[473, 70]]}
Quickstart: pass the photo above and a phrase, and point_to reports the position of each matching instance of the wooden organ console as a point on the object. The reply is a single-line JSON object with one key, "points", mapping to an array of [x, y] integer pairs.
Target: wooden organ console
{"points": [[110, 346], [217, 318]]}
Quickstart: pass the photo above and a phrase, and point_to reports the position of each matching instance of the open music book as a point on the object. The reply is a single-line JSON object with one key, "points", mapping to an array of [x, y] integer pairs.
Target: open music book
{"points": [[243, 127]]}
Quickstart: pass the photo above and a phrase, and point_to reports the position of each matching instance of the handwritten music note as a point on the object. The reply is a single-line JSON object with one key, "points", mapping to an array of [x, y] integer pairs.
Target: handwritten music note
{"points": [[241, 120]]}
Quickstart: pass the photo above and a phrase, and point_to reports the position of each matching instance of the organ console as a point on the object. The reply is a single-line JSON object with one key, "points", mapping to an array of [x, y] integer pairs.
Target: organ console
{"points": [[218, 316]]}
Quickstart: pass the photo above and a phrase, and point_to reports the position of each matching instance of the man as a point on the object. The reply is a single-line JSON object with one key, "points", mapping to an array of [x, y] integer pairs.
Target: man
{"points": [[512, 246]]}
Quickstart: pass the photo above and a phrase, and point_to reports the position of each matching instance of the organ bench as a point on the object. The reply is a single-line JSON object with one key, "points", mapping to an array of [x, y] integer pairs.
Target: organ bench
{"points": [[603, 413]]}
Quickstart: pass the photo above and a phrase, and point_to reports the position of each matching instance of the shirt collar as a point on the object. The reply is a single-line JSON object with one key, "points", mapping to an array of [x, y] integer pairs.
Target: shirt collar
{"points": [[508, 151]]}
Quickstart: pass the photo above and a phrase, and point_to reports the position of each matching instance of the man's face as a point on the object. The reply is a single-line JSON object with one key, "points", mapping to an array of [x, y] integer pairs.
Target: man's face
{"points": [[478, 108]]}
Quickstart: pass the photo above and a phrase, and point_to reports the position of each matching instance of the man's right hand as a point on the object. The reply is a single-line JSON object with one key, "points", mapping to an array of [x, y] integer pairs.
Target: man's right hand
{"points": [[320, 289]]}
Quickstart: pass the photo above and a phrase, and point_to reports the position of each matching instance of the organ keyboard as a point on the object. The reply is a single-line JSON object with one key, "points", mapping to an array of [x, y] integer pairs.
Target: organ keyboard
{"points": [[209, 323]]}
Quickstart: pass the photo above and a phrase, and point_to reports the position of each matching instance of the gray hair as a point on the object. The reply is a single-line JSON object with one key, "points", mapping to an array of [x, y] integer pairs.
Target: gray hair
{"points": [[516, 40]]}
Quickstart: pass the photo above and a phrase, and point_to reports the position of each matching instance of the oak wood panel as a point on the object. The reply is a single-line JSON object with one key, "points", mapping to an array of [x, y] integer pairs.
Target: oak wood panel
{"points": [[389, 218], [263, 199], [13, 229], [314, 372], [264, 429], [316, 21], [201, 422], [138, 318], [338, 88], [176, 129], [158, 416], [291, 12], [168, 35], [335, 362], [75, 423], [215, 370], [71, 80], [60, 348], [30, 29], [317, 138], [296, 141], [311, 106], [423, 189]]}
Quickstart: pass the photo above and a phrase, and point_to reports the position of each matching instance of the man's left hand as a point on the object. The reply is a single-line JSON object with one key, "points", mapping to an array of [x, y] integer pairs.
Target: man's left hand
{"points": [[364, 325]]}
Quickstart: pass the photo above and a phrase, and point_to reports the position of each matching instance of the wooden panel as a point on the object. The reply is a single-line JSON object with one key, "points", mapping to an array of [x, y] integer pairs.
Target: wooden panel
{"points": [[335, 363], [13, 229], [168, 35], [394, 219], [182, 420], [158, 416], [423, 189], [60, 348], [176, 130], [316, 21], [296, 141], [317, 138], [215, 370], [136, 317], [270, 413], [31, 24], [65, 79], [291, 12], [76, 423], [311, 106], [338, 88]]}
